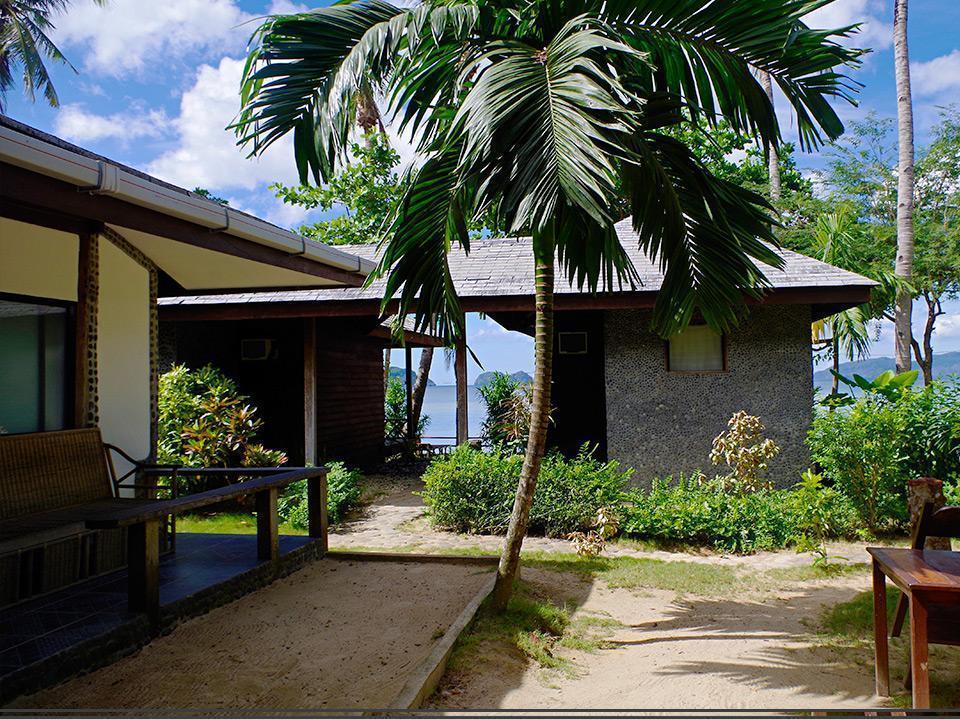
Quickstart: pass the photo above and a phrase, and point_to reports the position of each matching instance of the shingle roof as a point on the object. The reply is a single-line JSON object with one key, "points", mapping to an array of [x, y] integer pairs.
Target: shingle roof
{"points": [[504, 267]]}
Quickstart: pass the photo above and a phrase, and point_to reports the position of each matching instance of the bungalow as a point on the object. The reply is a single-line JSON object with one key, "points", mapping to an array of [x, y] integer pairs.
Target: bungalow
{"points": [[86, 247], [654, 405]]}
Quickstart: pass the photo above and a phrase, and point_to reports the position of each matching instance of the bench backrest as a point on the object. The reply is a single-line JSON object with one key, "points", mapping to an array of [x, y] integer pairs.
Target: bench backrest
{"points": [[51, 470], [943, 522]]}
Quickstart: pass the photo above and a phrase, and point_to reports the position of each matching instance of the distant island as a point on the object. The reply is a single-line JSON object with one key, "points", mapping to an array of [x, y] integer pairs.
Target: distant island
{"points": [[401, 374], [485, 378], [944, 365]]}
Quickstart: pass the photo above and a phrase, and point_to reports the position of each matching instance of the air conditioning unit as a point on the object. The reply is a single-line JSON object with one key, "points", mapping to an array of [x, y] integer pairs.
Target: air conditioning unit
{"points": [[257, 350]]}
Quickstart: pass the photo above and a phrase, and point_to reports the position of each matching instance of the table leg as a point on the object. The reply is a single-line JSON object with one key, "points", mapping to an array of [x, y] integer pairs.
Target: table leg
{"points": [[143, 568], [919, 659], [880, 631]]}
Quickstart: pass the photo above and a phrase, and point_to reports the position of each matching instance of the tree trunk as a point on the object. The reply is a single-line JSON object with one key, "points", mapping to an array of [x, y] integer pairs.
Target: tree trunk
{"points": [[924, 355], [773, 160], [386, 368], [543, 249], [835, 343], [420, 388], [904, 264]]}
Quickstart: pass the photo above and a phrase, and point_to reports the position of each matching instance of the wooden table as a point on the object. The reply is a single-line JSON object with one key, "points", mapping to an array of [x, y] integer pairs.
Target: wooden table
{"points": [[930, 579]]}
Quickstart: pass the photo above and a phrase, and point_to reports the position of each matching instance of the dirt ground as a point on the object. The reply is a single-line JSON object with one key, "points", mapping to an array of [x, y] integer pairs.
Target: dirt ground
{"points": [[679, 653], [334, 634]]}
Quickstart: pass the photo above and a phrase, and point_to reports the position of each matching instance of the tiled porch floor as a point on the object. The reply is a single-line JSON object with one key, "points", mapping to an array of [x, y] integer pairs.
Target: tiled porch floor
{"points": [[38, 629]]}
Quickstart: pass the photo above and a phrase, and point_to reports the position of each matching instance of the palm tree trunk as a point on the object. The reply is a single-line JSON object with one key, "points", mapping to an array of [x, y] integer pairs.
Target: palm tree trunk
{"points": [[904, 264], [420, 387], [543, 249], [835, 341], [386, 368], [773, 160]]}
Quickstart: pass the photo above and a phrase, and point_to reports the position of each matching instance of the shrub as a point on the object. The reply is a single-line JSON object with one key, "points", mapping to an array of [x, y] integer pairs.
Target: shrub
{"points": [[861, 450], [205, 422], [931, 432], [508, 412], [747, 453], [692, 510], [473, 491], [343, 494]]}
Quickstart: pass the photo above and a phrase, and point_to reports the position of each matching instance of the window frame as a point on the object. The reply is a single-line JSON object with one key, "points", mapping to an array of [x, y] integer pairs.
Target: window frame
{"points": [[723, 354], [69, 352]]}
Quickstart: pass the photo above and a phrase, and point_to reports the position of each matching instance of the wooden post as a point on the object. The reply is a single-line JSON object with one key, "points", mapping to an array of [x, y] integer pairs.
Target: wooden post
{"points": [[85, 342], [310, 391], [408, 380], [143, 568], [882, 658], [268, 531], [922, 491], [460, 370], [317, 509]]}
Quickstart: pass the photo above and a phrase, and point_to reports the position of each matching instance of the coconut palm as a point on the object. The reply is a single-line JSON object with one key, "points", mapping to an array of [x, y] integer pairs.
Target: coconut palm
{"points": [[548, 115], [24, 43], [905, 187]]}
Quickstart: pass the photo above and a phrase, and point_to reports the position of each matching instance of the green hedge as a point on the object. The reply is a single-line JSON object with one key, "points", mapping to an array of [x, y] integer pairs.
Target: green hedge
{"points": [[473, 491], [690, 512]]}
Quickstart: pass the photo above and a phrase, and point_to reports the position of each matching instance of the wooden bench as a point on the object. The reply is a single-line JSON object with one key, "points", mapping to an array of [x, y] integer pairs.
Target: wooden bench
{"points": [[57, 484]]}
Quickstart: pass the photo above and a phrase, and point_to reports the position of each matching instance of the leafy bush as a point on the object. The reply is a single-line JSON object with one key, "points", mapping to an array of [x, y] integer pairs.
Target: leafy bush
{"points": [[395, 412], [508, 412], [747, 453], [931, 432], [861, 449], [692, 510], [343, 494], [205, 422], [473, 491]]}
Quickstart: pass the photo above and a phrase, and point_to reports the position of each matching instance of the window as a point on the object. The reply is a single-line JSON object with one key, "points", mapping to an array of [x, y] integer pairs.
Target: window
{"points": [[572, 343], [34, 351], [696, 349]]}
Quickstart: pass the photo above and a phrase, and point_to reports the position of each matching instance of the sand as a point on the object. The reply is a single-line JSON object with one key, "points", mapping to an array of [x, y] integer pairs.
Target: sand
{"points": [[680, 653], [334, 634]]}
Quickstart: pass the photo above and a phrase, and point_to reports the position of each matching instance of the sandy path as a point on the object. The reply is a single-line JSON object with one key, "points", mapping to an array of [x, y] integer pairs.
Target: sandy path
{"points": [[682, 653], [334, 634]]}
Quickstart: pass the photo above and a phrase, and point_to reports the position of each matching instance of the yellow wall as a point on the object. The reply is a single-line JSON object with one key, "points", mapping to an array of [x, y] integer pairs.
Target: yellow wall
{"points": [[38, 262], [123, 350]]}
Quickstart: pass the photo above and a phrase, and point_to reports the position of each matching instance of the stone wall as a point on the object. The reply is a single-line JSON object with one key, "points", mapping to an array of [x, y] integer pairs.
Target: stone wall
{"points": [[661, 423]]}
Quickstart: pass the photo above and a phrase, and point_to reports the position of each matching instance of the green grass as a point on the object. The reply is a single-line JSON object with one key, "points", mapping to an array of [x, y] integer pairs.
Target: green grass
{"points": [[853, 619], [812, 572], [534, 626], [226, 523]]}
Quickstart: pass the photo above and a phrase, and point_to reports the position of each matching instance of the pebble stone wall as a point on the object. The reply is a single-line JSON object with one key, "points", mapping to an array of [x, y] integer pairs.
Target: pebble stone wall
{"points": [[661, 423]]}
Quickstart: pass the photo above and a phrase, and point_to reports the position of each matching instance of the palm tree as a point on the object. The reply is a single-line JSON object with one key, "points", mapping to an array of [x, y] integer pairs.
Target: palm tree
{"points": [[846, 333], [547, 115], [904, 264], [773, 162], [24, 42]]}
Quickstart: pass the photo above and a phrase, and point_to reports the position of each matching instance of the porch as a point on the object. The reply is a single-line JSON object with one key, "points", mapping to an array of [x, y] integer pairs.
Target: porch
{"points": [[87, 625]]}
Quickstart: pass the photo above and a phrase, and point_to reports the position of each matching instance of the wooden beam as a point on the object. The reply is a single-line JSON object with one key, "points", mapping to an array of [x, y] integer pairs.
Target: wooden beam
{"points": [[310, 391], [268, 531], [408, 380], [460, 370], [317, 509], [37, 192], [143, 568]]}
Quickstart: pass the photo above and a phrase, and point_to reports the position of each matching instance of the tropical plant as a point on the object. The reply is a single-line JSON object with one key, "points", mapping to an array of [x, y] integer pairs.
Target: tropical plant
{"points": [[204, 421], [507, 420], [746, 452], [395, 413], [888, 385], [815, 519], [548, 116], [25, 43], [343, 494]]}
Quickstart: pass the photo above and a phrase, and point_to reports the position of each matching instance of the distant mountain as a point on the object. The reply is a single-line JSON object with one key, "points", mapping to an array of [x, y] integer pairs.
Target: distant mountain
{"points": [[401, 374], [485, 378], [944, 364]]}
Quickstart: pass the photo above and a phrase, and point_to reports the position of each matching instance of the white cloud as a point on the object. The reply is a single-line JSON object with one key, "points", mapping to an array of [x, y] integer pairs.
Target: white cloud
{"points": [[935, 76], [206, 153], [874, 32], [74, 122], [129, 36]]}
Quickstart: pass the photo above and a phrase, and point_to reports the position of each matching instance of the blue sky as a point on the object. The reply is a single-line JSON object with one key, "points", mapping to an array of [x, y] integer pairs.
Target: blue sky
{"points": [[157, 84]]}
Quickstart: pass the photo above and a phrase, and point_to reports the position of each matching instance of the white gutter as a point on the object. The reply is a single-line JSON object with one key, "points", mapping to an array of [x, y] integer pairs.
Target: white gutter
{"points": [[104, 178]]}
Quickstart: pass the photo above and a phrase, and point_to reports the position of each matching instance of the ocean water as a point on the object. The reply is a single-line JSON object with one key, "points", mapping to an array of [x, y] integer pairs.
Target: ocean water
{"points": [[440, 405]]}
